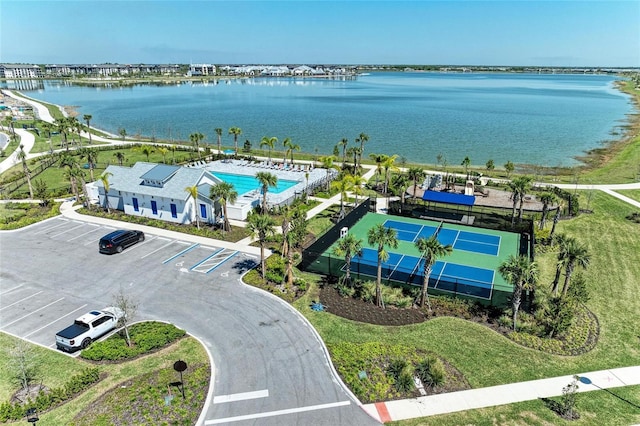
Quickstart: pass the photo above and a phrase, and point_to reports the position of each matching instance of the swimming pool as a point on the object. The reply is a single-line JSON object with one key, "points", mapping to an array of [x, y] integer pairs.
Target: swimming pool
{"points": [[246, 183]]}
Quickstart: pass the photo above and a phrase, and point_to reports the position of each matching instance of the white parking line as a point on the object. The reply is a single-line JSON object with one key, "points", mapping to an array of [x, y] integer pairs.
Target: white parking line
{"points": [[94, 240], [56, 320], [130, 249], [9, 290], [21, 300], [157, 250], [97, 228], [276, 413], [240, 396], [33, 312], [52, 227], [67, 230]]}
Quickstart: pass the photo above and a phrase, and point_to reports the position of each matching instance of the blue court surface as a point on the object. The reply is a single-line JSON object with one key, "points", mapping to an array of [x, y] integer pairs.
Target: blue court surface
{"points": [[445, 276], [460, 240]]}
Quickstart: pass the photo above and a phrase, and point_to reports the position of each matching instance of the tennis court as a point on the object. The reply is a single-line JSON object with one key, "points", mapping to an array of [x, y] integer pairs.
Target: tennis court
{"points": [[460, 240], [470, 270]]}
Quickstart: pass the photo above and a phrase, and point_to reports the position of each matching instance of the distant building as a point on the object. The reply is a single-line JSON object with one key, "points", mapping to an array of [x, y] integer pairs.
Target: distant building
{"points": [[197, 70], [12, 71]]}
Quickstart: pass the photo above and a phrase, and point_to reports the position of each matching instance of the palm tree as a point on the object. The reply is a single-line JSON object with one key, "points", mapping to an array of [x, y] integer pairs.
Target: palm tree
{"points": [[415, 174], [522, 273], [235, 131], [193, 192], [430, 250], [524, 185], [286, 144], [357, 183], [269, 142], [119, 156], [560, 240], [104, 178], [76, 174], [226, 193], [22, 156], [388, 167], [342, 186], [576, 255], [381, 236], [164, 151], [547, 199], [266, 180], [147, 150], [378, 159], [399, 184], [62, 127], [92, 158], [218, 131], [347, 247], [122, 132], [327, 164], [290, 148], [87, 118], [261, 226], [343, 143], [556, 218], [466, 163], [363, 138], [195, 139]]}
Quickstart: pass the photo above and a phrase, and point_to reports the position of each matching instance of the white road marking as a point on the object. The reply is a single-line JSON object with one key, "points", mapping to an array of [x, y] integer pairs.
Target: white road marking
{"points": [[66, 230], [276, 413], [54, 321], [240, 396], [82, 235], [8, 290], [21, 300], [32, 312], [164, 246], [50, 228]]}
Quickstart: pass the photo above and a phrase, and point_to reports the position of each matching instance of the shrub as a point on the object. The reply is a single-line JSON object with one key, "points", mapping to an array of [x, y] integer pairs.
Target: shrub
{"points": [[404, 382], [431, 371], [396, 366]]}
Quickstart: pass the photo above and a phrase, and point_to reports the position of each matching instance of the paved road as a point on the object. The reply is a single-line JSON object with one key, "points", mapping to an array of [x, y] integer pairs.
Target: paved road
{"points": [[271, 368]]}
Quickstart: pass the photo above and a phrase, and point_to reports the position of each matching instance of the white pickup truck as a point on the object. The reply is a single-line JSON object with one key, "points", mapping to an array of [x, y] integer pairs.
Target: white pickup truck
{"points": [[88, 328]]}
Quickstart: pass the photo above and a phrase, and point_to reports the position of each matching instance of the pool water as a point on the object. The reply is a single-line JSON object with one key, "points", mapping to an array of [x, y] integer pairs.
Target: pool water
{"points": [[245, 183]]}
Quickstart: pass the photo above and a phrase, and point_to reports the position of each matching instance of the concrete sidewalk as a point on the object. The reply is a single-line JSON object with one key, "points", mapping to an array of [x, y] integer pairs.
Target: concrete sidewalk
{"points": [[499, 395]]}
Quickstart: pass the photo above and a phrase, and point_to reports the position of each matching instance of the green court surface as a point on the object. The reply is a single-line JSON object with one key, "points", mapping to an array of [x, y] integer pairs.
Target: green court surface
{"points": [[471, 269]]}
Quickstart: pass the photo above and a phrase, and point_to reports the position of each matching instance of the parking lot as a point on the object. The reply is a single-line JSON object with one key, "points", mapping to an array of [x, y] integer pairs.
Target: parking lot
{"points": [[36, 313], [268, 362]]}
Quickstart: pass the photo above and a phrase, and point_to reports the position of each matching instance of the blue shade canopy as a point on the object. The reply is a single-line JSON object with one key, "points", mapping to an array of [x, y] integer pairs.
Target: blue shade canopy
{"points": [[449, 198]]}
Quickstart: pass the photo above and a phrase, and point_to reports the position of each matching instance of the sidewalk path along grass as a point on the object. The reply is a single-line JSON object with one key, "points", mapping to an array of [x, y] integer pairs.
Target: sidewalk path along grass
{"points": [[499, 395]]}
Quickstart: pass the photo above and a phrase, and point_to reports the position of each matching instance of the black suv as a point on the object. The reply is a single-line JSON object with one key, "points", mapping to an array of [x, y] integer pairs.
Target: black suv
{"points": [[119, 240]]}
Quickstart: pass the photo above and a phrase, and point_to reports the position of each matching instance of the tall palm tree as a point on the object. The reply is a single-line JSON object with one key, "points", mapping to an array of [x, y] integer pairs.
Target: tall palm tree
{"points": [[269, 142], [358, 182], [378, 159], [343, 143], [91, 156], [381, 237], [561, 241], [286, 144], [22, 156], [556, 218], [327, 164], [363, 138], [261, 226], [226, 193], [266, 180], [122, 132], [430, 250], [62, 127], [87, 118], [195, 139], [415, 174], [163, 151], [343, 186], [399, 185], [524, 183], [193, 192], [388, 166], [218, 131], [75, 175], [235, 131], [347, 247], [576, 255], [466, 163], [119, 156], [146, 150], [519, 187], [104, 178], [547, 198], [522, 273], [292, 147]]}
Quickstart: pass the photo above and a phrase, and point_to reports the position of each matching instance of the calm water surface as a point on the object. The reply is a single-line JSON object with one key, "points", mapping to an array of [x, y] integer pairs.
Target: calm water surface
{"points": [[524, 118]]}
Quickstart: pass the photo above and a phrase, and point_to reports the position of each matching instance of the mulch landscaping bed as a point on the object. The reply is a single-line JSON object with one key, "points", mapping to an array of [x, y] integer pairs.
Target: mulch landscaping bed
{"points": [[357, 310]]}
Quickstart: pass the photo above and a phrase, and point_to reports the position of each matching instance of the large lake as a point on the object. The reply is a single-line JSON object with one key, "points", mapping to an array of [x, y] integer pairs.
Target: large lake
{"points": [[524, 118]]}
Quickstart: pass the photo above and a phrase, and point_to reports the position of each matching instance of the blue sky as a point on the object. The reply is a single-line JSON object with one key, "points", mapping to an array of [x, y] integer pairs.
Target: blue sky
{"points": [[515, 32]]}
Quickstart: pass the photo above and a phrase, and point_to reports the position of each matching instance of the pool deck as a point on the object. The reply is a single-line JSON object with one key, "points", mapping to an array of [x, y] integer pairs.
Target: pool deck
{"points": [[316, 177]]}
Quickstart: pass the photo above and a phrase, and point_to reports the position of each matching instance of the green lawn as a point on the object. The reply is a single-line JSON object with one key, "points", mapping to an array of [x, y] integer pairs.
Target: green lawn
{"points": [[487, 358], [631, 193], [56, 368]]}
